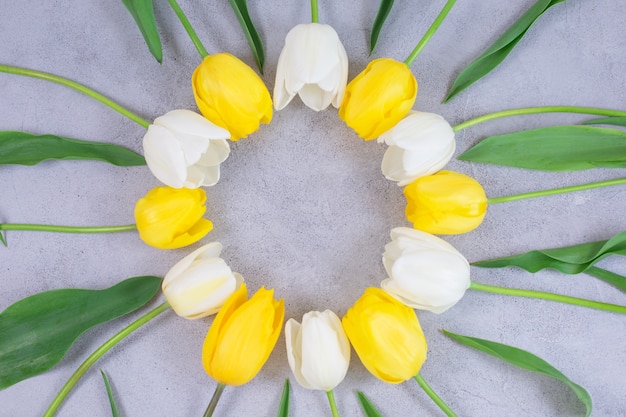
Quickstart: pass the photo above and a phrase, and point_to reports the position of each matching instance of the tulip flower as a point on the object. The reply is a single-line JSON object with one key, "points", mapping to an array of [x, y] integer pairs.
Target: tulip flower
{"points": [[199, 284], [242, 336], [425, 272], [183, 149], [420, 144], [445, 203], [386, 336], [378, 98], [170, 218], [231, 95], [314, 65], [318, 350]]}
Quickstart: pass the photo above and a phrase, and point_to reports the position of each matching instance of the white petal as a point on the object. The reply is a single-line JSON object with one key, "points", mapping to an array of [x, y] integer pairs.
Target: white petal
{"points": [[210, 250], [188, 122], [164, 156], [293, 338], [217, 153], [315, 98], [281, 96], [392, 165], [343, 75]]}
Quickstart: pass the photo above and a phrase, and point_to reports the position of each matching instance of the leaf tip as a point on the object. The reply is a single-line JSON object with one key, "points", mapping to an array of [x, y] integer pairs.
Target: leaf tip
{"points": [[3, 240]]}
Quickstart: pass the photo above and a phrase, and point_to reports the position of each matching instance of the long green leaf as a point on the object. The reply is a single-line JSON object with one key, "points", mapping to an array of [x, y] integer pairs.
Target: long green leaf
{"points": [[283, 410], [524, 360], [569, 259], [38, 330], [114, 411], [368, 407], [143, 13], [240, 7], [27, 149], [379, 21], [557, 148], [616, 121], [611, 278], [501, 48]]}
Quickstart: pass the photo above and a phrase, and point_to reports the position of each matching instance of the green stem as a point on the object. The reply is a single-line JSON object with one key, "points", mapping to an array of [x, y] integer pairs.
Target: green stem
{"points": [[433, 396], [548, 296], [97, 354], [333, 404], [314, 12], [76, 86], [192, 33], [537, 110], [430, 32], [553, 191], [63, 229], [214, 400]]}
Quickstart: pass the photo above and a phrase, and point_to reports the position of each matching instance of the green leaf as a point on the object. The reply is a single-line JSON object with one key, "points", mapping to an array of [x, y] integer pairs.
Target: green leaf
{"points": [[240, 7], [616, 121], [107, 384], [283, 410], [143, 13], [569, 259], [27, 149], [557, 148], [524, 360], [611, 278], [368, 407], [38, 330], [381, 16], [501, 48]]}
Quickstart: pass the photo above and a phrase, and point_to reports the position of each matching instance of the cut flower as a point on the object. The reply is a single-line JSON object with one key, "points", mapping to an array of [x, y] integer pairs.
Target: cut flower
{"points": [[314, 65], [318, 350], [170, 218], [420, 144], [183, 149], [425, 272], [199, 284], [231, 95]]}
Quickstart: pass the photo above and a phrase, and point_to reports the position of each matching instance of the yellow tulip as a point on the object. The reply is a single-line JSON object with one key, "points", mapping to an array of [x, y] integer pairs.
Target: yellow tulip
{"points": [[170, 218], [378, 98], [242, 336], [445, 203], [386, 336], [231, 95]]}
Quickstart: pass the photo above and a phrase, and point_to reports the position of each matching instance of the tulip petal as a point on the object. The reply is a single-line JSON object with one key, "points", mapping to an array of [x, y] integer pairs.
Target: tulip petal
{"points": [[293, 338], [164, 156], [210, 250], [217, 153], [282, 97]]}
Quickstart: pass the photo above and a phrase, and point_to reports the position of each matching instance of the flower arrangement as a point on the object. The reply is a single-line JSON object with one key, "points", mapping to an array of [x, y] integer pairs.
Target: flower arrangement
{"points": [[187, 152]]}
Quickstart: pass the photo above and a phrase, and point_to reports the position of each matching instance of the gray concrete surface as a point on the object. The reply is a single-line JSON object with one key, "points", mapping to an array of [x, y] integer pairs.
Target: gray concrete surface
{"points": [[302, 206]]}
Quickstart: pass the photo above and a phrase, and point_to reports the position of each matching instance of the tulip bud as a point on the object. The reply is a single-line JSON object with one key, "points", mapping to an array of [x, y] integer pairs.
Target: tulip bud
{"points": [[170, 218], [425, 272], [199, 284], [378, 98], [420, 144], [386, 336], [318, 350], [183, 149], [242, 336], [312, 64], [230, 94], [445, 203]]}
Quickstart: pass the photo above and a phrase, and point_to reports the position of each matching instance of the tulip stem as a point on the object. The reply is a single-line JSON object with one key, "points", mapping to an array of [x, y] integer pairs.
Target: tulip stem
{"points": [[190, 31], [64, 229], [553, 191], [433, 396], [314, 12], [538, 110], [214, 400], [333, 404], [76, 86], [97, 354], [548, 296], [430, 32]]}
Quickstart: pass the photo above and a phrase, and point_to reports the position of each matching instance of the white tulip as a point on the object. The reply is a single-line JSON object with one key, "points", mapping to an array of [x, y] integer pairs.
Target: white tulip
{"points": [[425, 272], [312, 64], [183, 149], [199, 284], [318, 350], [419, 145]]}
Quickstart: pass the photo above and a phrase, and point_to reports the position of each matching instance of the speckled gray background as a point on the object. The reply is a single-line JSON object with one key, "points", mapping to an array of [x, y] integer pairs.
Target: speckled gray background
{"points": [[302, 205]]}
